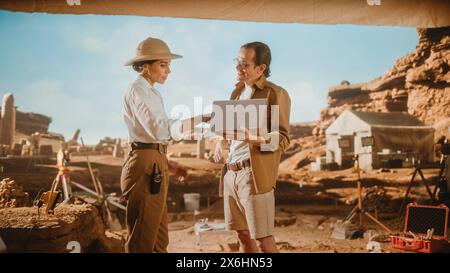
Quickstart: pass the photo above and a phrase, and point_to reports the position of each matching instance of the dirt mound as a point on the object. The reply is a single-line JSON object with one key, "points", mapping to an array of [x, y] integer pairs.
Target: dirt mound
{"points": [[301, 152], [300, 159], [12, 195], [71, 228]]}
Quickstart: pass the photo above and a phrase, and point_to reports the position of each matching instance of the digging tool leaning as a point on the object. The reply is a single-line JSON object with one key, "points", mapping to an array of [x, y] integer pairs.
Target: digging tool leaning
{"points": [[97, 186]]}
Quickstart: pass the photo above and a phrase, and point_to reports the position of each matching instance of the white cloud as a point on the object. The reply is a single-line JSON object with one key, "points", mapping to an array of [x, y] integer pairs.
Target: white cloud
{"points": [[95, 44]]}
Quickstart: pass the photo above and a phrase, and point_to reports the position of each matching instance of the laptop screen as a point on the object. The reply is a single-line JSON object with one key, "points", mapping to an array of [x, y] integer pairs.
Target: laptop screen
{"points": [[229, 117]]}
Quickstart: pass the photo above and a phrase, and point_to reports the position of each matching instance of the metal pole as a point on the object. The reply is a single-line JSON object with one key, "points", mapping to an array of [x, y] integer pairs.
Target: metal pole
{"points": [[109, 198], [360, 207], [94, 181]]}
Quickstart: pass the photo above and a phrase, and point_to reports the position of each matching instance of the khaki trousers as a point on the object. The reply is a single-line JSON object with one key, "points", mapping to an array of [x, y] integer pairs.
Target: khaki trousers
{"points": [[146, 214]]}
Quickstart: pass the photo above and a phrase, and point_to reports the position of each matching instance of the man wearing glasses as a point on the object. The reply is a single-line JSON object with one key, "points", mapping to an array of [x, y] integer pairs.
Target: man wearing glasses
{"points": [[248, 178]]}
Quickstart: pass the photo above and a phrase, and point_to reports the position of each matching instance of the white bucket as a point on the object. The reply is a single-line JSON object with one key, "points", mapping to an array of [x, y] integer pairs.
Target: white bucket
{"points": [[191, 201]]}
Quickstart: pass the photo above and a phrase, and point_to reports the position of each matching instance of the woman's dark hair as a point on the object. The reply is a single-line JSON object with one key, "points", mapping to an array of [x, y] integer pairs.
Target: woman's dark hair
{"points": [[137, 66], [262, 55]]}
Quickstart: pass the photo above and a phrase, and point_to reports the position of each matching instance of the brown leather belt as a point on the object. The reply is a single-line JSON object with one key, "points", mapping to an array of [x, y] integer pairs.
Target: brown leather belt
{"points": [[152, 146], [237, 166]]}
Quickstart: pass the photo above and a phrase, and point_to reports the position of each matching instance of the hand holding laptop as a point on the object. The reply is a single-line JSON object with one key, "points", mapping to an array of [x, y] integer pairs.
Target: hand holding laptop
{"points": [[240, 119], [189, 123], [254, 139]]}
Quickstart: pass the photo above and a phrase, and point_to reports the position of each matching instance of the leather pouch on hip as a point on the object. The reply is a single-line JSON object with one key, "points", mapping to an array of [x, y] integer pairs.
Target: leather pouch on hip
{"points": [[155, 179]]}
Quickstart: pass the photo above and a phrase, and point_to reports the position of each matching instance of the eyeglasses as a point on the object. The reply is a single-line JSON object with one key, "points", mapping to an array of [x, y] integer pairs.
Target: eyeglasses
{"points": [[241, 64]]}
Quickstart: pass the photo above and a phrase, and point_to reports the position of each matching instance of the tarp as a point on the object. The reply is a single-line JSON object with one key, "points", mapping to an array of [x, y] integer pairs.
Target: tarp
{"points": [[398, 119], [395, 131], [419, 141], [412, 13]]}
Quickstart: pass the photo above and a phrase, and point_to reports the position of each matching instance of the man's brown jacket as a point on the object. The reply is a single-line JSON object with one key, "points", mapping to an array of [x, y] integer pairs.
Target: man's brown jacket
{"points": [[265, 164]]}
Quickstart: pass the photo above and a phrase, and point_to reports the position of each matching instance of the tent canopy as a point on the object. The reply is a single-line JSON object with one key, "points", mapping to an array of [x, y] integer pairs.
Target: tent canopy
{"points": [[412, 13], [394, 131], [351, 121], [399, 119]]}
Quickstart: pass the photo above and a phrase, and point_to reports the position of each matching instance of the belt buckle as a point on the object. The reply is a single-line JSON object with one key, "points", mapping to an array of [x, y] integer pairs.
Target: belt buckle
{"points": [[233, 166], [245, 164]]}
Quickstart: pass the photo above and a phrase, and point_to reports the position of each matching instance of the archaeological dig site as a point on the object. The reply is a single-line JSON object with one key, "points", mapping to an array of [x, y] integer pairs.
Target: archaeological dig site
{"points": [[234, 126]]}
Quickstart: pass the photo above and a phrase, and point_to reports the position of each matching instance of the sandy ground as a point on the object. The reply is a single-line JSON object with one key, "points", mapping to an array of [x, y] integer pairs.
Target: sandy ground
{"points": [[309, 233], [308, 204]]}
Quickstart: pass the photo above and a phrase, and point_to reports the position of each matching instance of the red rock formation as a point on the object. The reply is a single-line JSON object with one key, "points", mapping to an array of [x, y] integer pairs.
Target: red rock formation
{"points": [[418, 83], [29, 123]]}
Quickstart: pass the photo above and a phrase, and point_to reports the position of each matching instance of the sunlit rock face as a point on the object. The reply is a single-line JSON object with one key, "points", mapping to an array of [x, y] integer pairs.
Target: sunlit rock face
{"points": [[418, 83]]}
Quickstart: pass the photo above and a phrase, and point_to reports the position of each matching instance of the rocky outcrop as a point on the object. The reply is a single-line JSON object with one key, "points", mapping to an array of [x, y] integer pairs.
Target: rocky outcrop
{"points": [[301, 129], [418, 83], [29, 123], [345, 90]]}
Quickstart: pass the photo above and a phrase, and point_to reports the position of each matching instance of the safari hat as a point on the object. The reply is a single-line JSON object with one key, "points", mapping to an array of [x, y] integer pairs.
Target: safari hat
{"points": [[152, 49]]}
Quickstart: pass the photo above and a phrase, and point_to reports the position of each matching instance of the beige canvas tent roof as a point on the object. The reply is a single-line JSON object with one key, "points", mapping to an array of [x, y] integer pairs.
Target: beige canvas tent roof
{"points": [[395, 131], [390, 119], [412, 13], [358, 121]]}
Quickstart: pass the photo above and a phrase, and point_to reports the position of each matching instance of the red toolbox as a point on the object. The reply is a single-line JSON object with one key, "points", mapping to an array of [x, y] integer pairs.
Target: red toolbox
{"points": [[425, 229]]}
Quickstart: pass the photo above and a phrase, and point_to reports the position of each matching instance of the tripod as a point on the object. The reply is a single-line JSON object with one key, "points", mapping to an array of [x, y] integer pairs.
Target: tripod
{"points": [[63, 178], [50, 198], [359, 208], [442, 179], [417, 170]]}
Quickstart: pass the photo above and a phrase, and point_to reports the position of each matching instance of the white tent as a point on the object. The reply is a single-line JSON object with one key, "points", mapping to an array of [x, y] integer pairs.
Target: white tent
{"points": [[412, 13], [396, 136]]}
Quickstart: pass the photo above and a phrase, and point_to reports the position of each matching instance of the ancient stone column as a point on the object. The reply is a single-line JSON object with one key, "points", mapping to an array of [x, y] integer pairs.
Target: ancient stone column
{"points": [[35, 140], [1, 142], [201, 148], [118, 151], [75, 136], [8, 120]]}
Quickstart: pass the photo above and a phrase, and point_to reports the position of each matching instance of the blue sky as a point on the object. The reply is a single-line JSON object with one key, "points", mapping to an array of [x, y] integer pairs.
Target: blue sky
{"points": [[70, 67]]}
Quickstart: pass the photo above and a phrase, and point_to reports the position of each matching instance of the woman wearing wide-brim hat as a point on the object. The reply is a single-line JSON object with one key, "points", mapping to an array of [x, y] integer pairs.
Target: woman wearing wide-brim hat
{"points": [[144, 179]]}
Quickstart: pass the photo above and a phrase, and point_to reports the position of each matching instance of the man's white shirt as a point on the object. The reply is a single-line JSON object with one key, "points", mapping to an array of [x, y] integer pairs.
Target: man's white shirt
{"points": [[239, 149]]}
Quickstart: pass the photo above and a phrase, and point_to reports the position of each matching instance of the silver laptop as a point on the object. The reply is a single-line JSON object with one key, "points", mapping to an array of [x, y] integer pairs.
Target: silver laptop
{"points": [[229, 117]]}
